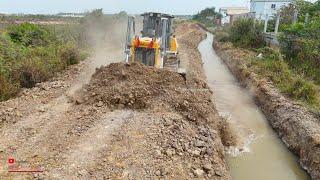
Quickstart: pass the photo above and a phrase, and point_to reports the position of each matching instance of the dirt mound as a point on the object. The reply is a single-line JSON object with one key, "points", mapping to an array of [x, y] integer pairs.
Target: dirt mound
{"points": [[173, 124], [136, 86], [131, 85]]}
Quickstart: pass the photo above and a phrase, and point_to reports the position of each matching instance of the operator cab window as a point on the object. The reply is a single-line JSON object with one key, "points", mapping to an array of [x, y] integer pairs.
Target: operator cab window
{"points": [[273, 6]]}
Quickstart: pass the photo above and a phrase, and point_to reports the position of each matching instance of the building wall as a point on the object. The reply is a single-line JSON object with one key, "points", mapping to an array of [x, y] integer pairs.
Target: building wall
{"points": [[261, 8], [231, 13], [225, 18]]}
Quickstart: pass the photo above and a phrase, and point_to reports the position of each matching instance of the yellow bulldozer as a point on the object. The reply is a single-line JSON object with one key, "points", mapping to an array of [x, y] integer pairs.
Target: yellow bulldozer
{"points": [[156, 46]]}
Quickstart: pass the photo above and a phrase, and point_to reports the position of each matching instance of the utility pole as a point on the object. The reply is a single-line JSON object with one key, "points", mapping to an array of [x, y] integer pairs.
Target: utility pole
{"points": [[277, 23], [266, 23], [295, 16]]}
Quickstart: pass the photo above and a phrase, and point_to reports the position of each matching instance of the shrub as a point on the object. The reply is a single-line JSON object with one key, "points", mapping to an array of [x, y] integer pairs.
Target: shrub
{"points": [[70, 55], [222, 36], [207, 16], [300, 42], [29, 34], [7, 88], [30, 54], [30, 73], [273, 67], [271, 24], [303, 90], [300, 46], [269, 53], [246, 33]]}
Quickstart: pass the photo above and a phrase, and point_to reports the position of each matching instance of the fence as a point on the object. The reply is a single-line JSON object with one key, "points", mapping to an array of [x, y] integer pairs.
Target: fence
{"points": [[271, 23]]}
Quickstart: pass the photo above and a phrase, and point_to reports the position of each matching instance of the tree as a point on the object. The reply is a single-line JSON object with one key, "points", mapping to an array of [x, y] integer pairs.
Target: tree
{"points": [[97, 13], [303, 7], [207, 16], [205, 13], [300, 42], [286, 14]]}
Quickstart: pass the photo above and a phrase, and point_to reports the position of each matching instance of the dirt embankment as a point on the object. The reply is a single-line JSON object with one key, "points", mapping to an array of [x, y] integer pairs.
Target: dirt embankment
{"points": [[189, 35], [177, 134], [129, 122], [298, 128]]}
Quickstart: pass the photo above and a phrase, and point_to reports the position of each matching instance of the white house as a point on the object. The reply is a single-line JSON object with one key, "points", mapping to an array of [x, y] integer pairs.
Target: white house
{"points": [[228, 13], [263, 7]]}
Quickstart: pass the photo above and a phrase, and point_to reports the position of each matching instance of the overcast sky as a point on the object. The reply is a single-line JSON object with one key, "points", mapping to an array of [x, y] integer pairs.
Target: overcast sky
{"points": [[113, 6]]}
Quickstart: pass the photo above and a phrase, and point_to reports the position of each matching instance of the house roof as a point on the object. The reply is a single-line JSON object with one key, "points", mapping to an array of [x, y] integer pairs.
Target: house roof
{"points": [[235, 10]]}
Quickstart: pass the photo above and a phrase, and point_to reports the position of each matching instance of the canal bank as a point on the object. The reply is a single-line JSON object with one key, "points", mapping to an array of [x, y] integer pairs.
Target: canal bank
{"points": [[258, 153]]}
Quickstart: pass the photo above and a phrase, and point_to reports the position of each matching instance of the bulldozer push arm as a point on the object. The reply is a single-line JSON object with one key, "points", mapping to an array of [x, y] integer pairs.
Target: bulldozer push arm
{"points": [[130, 34]]}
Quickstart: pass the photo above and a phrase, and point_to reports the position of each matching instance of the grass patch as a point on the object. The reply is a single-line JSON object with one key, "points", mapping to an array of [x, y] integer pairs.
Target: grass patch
{"points": [[292, 84], [294, 69], [30, 54]]}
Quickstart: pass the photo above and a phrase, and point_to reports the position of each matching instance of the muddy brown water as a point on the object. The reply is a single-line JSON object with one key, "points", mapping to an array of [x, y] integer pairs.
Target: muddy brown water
{"points": [[259, 153]]}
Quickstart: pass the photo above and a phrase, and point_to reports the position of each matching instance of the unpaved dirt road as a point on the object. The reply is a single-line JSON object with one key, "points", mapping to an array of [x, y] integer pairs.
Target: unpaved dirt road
{"points": [[130, 122]]}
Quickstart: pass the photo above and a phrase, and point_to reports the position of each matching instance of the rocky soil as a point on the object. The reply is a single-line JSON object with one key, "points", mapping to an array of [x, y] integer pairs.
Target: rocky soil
{"points": [[298, 127], [174, 131], [129, 122]]}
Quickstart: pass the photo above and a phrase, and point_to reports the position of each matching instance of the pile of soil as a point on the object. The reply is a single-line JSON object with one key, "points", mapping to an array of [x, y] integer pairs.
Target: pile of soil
{"points": [[178, 126], [136, 86], [131, 85]]}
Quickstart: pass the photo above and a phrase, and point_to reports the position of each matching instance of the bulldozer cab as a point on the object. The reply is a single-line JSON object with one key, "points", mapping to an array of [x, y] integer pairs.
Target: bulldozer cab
{"points": [[152, 48], [154, 26]]}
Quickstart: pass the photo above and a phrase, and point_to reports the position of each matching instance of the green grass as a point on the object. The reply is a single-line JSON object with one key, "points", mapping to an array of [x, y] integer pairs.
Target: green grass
{"points": [[289, 82], [294, 69], [246, 33], [30, 54]]}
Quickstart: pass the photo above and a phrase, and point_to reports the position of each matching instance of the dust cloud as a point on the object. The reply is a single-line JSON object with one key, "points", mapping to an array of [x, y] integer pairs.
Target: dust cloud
{"points": [[107, 41]]}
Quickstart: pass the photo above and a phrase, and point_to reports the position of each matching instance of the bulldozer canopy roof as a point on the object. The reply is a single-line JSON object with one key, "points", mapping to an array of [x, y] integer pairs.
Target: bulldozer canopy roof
{"points": [[156, 14]]}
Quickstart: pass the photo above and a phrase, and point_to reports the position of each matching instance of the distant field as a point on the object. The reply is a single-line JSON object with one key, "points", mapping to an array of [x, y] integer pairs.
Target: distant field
{"points": [[4, 24], [50, 22], [6, 20]]}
